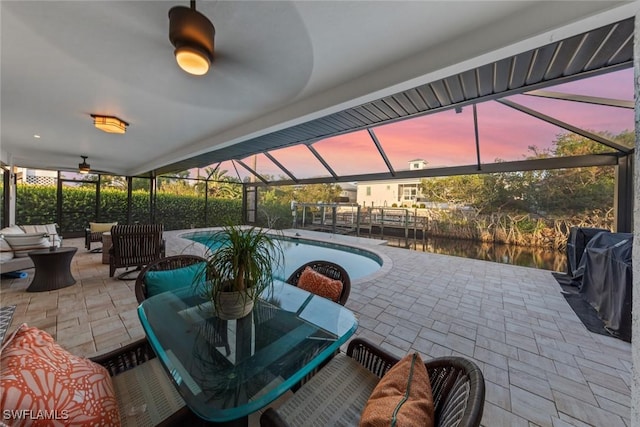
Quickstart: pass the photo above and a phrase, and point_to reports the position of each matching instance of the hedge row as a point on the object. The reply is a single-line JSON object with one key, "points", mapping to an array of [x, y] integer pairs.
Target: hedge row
{"points": [[37, 204]]}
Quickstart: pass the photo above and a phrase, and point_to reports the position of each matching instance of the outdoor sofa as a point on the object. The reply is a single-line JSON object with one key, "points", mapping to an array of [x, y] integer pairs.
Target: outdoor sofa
{"points": [[17, 240]]}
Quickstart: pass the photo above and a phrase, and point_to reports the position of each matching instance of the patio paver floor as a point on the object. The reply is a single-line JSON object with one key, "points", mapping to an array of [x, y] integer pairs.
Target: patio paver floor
{"points": [[541, 365]]}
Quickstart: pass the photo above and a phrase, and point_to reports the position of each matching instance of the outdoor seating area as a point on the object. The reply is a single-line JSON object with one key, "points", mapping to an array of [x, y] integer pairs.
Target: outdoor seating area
{"points": [[230, 214], [540, 364]]}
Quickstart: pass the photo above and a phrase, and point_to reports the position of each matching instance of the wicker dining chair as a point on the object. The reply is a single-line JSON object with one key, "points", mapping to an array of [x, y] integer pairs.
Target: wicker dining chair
{"points": [[329, 269], [214, 329], [162, 264], [145, 394], [457, 385]]}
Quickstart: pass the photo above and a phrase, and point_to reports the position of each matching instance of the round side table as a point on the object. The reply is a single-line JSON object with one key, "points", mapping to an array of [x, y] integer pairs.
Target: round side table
{"points": [[53, 269]]}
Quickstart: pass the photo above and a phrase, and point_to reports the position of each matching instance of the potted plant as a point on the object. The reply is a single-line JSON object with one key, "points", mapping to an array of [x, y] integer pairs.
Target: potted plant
{"points": [[239, 269]]}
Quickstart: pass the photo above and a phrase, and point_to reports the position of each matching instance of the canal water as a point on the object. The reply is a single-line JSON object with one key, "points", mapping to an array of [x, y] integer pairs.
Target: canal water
{"points": [[506, 254]]}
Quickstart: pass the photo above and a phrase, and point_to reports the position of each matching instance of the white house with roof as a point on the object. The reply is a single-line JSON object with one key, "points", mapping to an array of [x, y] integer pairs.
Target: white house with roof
{"points": [[401, 192]]}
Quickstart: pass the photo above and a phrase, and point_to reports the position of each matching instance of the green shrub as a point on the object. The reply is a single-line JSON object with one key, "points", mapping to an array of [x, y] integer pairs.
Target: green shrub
{"points": [[37, 204]]}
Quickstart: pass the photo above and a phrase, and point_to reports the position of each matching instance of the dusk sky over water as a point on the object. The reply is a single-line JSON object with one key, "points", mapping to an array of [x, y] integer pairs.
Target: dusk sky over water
{"points": [[447, 138]]}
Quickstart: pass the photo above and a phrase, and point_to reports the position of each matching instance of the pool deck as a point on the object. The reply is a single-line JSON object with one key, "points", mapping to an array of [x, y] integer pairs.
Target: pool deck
{"points": [[541, 365]]}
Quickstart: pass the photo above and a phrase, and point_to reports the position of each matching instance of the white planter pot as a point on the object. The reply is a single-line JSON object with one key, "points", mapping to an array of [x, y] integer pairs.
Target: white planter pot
{"points": [[233, 305]]}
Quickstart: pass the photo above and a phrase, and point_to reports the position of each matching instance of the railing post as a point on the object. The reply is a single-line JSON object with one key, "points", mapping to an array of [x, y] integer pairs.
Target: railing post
{"points": [[334, 211]]}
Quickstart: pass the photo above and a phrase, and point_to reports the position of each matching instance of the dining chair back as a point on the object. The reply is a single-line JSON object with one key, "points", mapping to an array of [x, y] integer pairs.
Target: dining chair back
{"points": [[215, 330], [162, 264], [329, 269]]}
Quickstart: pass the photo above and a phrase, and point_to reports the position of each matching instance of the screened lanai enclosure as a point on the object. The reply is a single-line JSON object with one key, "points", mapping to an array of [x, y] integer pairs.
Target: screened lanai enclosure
{"points": [[564, 106]]}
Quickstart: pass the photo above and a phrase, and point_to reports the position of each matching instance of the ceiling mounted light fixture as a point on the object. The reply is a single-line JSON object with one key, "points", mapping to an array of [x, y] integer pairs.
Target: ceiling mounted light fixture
{"points": [[109, 124], [191, 33], [84, 167]]}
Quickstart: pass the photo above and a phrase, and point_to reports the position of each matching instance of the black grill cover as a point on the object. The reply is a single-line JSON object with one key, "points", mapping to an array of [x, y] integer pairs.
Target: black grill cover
{"points": [[607, 280], [578, 239]]}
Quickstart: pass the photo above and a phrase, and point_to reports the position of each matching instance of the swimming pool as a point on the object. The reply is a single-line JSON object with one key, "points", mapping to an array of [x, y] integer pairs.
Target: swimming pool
{"points": [[297, 251]]}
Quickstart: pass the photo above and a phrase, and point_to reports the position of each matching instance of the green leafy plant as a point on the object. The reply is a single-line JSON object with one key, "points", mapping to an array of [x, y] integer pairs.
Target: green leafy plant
{"points": [[242, 260]]}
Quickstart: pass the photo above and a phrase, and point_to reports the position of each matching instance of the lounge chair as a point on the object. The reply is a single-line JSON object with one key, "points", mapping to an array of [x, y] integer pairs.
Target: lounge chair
{"points": [[134, 246]]}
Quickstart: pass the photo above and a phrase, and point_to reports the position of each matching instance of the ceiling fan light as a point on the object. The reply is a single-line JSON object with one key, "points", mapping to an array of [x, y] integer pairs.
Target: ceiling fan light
{"points": [[84, 167], [109, 124], [192, 60], [192, 34]]}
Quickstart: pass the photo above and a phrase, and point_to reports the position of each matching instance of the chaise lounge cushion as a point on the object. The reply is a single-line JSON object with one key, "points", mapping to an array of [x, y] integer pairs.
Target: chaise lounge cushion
{"points": [[402, 397], [38, 375], [319, 284]]}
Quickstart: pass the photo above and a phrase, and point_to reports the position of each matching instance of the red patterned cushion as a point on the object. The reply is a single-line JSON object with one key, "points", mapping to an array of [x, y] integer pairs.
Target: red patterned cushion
{"points": [[46, 385], [319, 284]]}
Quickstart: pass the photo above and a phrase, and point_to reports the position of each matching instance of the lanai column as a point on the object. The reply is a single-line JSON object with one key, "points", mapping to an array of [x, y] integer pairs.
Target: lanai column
{"points": [[635, 334]]}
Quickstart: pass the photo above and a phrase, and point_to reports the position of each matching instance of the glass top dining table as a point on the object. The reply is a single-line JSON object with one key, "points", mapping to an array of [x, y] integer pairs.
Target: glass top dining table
{"points": [[227, 369]]}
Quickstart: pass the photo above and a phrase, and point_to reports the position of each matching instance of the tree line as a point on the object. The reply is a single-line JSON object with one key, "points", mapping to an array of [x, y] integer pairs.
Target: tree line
{"points": [[555, 193]]}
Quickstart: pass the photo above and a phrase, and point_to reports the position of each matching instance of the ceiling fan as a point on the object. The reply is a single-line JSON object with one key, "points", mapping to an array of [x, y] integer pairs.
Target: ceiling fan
{"points": [[192, 34], [84, 168]]}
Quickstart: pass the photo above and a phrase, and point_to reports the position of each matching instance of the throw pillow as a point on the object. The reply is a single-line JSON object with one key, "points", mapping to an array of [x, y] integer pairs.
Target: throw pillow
{"points": [[161, 281], [46, 228], [12, 229], [37, 376], [22, 244], [50, 229], [402, 397], [6, 253], [101, 227], [319, 284]]}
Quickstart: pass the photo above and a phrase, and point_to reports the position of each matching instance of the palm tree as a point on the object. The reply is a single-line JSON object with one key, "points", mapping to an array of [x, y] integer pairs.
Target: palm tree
{"points": [[219, 184]]}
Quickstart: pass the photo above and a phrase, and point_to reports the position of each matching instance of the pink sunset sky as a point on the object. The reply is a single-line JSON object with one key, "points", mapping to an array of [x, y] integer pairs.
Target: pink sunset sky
{"points": [[447, 138]]}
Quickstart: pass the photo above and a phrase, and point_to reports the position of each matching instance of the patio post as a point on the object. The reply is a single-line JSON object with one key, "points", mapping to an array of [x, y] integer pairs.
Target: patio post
{"points": [[635, 310]]}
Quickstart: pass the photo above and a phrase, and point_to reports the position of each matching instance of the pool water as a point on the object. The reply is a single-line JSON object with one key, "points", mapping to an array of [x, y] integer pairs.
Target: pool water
{"points": [[357, 262]]}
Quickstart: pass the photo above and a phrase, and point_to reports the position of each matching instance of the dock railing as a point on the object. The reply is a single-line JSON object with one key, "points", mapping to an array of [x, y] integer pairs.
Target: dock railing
{"points": [[350, 218]]}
